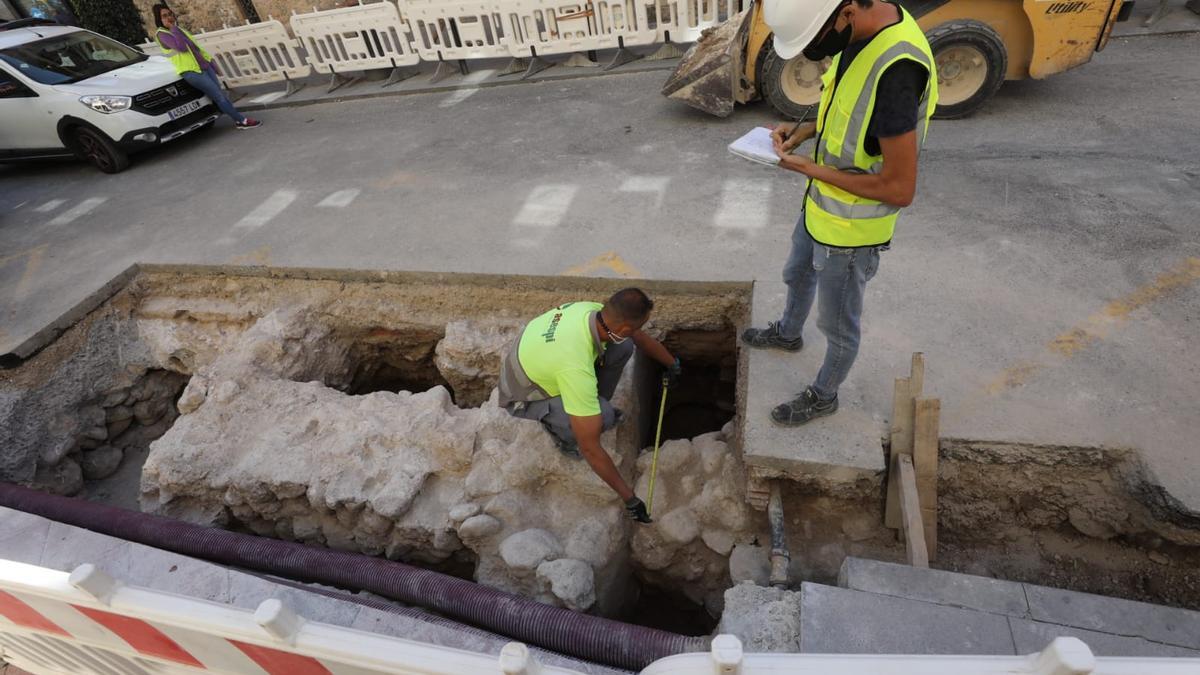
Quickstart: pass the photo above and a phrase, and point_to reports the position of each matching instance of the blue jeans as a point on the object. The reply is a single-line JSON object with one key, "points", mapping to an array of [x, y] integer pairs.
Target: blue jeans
{"points": [[207, 82], [840, 276]]}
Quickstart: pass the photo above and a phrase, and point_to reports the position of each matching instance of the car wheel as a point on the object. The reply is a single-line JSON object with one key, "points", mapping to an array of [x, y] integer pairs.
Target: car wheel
{"points": [[98, 149]]}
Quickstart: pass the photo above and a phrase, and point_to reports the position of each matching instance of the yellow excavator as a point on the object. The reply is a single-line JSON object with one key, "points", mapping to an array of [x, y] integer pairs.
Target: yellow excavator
{"points": [[977, 45]]}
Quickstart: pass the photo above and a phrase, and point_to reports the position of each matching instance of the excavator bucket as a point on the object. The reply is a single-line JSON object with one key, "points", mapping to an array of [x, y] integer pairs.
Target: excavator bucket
{"points": [[710, 73]]}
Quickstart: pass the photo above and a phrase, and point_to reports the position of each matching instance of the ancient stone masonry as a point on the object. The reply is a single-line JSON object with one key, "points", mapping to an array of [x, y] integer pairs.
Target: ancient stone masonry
{"points": [[700, 514], [409, 476]]}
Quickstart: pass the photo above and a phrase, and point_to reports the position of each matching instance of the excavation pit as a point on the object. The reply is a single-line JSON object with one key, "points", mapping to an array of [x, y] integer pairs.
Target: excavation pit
{"points": [[352, 410]]}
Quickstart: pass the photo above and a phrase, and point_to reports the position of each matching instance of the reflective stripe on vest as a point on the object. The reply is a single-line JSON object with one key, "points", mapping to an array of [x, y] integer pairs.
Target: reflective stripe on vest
{"points": [[836, 217], [184, 61]]}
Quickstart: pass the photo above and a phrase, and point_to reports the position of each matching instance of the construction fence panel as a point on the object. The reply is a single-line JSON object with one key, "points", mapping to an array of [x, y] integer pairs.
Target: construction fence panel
{"points": [[87, 623], [258, 53], [685, 20], [355, 38], [447, 30], [560, 27]]}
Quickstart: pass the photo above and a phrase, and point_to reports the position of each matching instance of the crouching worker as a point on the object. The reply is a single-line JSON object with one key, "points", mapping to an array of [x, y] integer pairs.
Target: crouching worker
{"points": [[564, 369]]}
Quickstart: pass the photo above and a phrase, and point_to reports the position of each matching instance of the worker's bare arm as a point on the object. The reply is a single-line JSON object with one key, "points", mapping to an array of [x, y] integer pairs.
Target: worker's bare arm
{"points": [[587, 434], [895, 185], [653, 348]]}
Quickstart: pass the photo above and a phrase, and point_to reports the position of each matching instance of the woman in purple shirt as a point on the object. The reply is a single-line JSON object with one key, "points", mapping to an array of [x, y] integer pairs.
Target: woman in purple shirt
{"points": [[193, 64]]}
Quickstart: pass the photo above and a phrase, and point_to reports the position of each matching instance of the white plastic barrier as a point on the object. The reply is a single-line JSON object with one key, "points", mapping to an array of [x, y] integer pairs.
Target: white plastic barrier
{"points": [[85, 623], [446, 30], [1063, 656], [355, 38], [257, 53], [540, 27], [684, 20]]}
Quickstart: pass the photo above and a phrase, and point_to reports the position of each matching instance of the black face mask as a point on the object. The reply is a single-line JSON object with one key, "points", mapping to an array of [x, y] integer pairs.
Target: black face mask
{"points": [[830, 43]]}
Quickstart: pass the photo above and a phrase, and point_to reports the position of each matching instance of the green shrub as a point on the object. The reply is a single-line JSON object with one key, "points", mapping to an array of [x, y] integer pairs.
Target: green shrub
{"points": [[118, 19]]}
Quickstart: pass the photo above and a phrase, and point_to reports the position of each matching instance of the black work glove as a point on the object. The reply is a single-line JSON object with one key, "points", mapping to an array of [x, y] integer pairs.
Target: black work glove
{"points": [[636, 509], [672, 373]]}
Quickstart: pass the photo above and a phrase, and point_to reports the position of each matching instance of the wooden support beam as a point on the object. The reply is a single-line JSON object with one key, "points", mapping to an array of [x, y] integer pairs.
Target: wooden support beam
{"points": [[925, 462], [910, 506], [900, 441], [901, 437]]}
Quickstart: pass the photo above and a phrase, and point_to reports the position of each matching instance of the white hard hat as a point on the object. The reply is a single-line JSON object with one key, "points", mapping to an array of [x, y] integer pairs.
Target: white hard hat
{"points": [[796, 22]]}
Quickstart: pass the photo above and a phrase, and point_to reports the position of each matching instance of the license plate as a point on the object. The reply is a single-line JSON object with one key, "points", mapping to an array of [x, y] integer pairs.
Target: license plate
{"points": [[184, 109]]}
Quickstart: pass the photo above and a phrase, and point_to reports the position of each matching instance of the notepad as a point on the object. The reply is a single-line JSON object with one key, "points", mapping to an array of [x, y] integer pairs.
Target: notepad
{"points": [[756, 146]]}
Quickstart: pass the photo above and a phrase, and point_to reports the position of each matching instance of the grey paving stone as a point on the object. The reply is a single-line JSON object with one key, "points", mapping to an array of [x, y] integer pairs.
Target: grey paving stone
{"points": [[22, 536], [1033, 636], [69, 547], [937, 586], [843, 621], [1169, 625]]}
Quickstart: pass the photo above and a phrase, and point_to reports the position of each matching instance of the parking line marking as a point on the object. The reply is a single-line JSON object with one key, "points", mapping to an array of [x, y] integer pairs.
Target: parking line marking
{"points": [[467, 91], [655, 185], [340, 199], [79, 210], [261, 215], [546, 205], [20, 205], [744, 204], [50, 205]]}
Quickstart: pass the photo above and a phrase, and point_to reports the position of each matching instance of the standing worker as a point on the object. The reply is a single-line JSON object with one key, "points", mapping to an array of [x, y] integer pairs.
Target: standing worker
{"points": [[194, 64], [876, 101], [564, 370]]}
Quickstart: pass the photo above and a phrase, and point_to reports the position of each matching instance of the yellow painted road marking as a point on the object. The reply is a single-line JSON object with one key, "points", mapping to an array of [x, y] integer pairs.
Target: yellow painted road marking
{"points": [[605, 261], [33, 261], [1098, 326], [259, 256]]}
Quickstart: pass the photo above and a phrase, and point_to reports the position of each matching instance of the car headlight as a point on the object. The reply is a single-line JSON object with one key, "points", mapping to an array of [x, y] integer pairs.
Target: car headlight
{"points": [[107, 104]]}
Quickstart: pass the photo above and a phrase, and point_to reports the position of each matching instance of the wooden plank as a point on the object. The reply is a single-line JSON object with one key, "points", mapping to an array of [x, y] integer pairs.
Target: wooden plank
{"points": [[916, 376], [925, 461], [897, 436], [910, 505]]}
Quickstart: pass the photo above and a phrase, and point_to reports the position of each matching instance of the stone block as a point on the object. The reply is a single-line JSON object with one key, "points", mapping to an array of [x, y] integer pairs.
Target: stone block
{"points": [[571, 581], [527, 549], [1033, 636], [101, 462], [835, 451], [843, 621], [1170, 625], [748, 562], [936, 586], [764, 619]]}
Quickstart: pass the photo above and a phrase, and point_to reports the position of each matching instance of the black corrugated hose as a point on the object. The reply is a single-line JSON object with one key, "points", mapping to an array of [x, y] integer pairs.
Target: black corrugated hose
{"points": [[561, 630]]}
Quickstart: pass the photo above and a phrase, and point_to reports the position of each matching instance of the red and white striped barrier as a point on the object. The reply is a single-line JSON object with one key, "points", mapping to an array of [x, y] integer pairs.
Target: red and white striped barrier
{"points": [[84, 623]]}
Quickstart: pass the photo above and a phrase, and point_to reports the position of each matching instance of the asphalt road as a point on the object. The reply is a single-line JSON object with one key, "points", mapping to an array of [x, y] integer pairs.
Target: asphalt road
{"points": [[1048, 268]]}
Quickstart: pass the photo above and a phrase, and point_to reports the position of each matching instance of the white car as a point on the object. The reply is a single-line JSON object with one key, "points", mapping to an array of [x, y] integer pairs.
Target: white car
{"points": [[66, 91]]}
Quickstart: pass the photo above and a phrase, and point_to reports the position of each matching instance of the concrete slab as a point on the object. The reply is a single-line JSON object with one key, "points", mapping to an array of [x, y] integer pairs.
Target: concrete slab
{"points": [[928, 585], [841, 621], [840, 448], [1167, 625], [1033, 636]]}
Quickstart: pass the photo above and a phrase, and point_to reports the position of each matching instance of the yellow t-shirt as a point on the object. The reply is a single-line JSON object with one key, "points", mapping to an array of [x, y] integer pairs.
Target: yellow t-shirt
{"points": [[558, 353]]}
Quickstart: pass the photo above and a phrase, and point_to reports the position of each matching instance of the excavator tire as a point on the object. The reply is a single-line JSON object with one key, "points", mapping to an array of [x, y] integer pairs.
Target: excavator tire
{"points": [[971, 64], [791, 86]]}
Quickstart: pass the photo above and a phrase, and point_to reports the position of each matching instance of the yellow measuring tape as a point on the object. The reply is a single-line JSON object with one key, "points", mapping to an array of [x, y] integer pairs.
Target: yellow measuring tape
{"points": [[662, 408]]}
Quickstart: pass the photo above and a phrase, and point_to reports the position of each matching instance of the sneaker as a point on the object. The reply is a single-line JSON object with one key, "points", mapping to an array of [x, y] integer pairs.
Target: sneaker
{"points": [[769, 338], [803, 409], [248, 123]]}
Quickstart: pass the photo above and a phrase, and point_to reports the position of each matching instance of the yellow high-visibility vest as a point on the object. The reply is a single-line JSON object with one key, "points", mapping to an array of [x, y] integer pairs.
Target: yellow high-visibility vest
{"points": [[835, 217], [183, 61]]}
